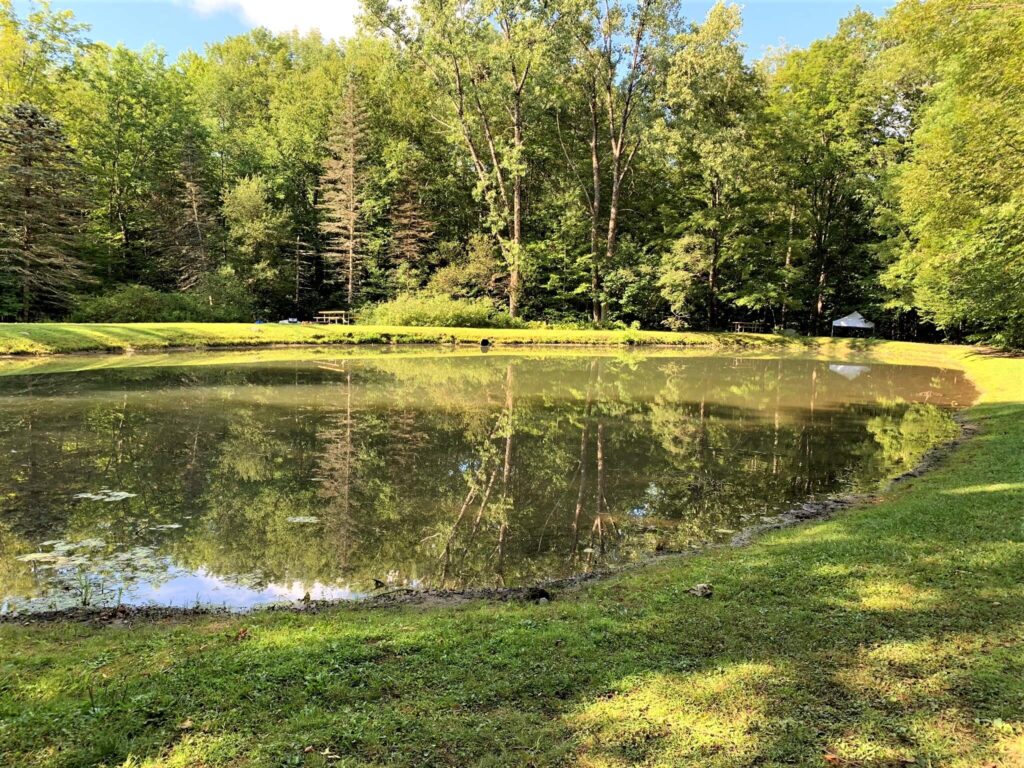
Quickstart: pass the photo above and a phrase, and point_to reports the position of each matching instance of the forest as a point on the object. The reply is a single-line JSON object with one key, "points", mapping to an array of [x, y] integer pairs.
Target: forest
{"points": [[502, 162]]}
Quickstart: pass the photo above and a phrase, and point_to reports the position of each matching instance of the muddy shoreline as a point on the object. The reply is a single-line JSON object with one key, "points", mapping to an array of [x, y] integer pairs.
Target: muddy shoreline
{"points": [[811, 511]]}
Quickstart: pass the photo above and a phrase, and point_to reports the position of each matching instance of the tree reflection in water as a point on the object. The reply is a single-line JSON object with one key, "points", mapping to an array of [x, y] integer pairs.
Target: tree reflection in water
{"points": [[261, 480]]}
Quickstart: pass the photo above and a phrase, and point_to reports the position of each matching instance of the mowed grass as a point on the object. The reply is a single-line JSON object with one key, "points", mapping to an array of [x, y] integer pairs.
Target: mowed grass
{"points": [[51, 338], [892, 635]]}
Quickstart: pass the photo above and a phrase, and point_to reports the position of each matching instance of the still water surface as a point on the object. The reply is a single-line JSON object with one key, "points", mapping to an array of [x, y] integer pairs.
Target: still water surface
{"points": [[238, 480]]}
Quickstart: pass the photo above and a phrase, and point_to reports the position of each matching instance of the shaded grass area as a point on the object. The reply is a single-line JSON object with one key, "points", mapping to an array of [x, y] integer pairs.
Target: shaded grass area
{"points": [[892, 635], [51, 338]]}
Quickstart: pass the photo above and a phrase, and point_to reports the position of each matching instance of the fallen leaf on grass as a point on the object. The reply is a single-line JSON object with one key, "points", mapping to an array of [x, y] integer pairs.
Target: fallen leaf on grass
{"points": [[326, 753], [832, 759]]}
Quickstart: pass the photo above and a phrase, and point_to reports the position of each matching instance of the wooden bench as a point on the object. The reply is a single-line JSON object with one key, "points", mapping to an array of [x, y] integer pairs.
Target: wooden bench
{"points": [[748, 327], [334, 317]]}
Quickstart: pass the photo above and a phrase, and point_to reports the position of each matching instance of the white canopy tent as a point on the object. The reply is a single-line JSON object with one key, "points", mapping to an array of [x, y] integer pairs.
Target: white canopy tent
{"points": [[854, 321], [849, 372]]}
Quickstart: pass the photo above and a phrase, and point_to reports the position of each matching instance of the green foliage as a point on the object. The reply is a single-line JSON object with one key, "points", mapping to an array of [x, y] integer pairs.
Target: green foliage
{"points": [[526, 155], [37, 53], [436, 312], [255, 228], [219, 297], [39, 221], [259, 234], [470, 273], [715, 104], [216, 299], [135, 136], [133, 304], [829, 130], [683, 272], [960, 190]]}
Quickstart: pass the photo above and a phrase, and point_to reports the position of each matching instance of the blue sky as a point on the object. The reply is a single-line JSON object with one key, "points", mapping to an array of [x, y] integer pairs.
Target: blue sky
{"points": [[177, 25]]}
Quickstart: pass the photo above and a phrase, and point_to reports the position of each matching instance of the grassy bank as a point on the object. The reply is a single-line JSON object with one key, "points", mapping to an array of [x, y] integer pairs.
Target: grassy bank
{"points": [[892, 635], [54, 338]]}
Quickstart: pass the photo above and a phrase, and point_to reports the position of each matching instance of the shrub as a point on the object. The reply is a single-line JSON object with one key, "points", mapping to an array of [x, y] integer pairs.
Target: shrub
{"points": [[438, 311], [134, 304], [214, 300], [219, 297], [471, 273]]}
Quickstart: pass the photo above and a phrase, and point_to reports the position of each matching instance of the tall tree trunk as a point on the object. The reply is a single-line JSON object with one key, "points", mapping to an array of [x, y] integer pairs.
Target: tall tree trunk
{"points": [[716, 254], [620, 113], [789, 264], [819, 304], [298, 272], [353, 215], [613, 216], [716, 250], [595, 210], [515, 268], [26, 281]]}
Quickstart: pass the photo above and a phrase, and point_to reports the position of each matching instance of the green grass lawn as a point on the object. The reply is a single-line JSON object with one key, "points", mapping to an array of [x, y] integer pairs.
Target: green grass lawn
{"points": [[49, 338], [892, 635]]}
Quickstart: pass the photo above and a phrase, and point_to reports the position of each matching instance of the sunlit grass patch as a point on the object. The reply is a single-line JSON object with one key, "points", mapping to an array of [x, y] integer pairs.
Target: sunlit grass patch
{"points": [[49, 338], [889, 595], [193, 749], [1009, 747], [989, 488], [929, 740], [709, 716]]}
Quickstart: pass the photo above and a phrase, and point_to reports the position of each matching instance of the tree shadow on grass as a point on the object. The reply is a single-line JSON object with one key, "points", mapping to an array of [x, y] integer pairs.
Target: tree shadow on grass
{"points": [[71, 337], [87, 336]]}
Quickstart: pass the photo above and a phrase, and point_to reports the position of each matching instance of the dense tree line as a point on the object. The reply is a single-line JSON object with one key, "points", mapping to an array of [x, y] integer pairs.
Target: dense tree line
{"points": [[571, 161]]}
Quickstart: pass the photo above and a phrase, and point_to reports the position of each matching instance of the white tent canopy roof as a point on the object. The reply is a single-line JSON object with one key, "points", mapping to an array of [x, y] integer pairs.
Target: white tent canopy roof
{"points": [[849, 372], [855, 320]]}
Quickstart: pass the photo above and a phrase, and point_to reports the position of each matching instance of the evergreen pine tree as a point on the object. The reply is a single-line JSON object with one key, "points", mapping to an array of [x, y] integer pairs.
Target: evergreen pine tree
{"points": [[39, 220], [191, 227], [410, 229], [342, 193]]}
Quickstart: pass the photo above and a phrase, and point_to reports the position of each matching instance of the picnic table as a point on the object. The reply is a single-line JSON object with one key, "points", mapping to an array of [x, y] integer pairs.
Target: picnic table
{"points": [[333, 317]]}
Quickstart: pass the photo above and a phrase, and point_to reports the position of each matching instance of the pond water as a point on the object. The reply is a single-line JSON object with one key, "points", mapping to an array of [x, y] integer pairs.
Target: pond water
{"points": [[244, 479]]}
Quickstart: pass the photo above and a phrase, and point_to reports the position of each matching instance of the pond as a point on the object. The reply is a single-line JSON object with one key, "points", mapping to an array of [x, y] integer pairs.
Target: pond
{"points": [[242, 479]]}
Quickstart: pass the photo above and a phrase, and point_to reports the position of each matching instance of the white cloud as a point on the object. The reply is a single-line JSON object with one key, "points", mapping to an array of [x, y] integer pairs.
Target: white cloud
{"points": [[334, 18]]}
